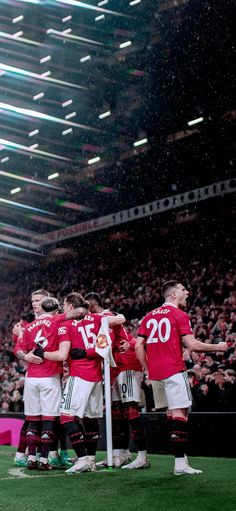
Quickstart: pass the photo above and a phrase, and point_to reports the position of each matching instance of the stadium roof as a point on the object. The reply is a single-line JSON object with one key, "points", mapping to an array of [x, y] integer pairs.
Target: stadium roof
{"points": [[106, 105]]}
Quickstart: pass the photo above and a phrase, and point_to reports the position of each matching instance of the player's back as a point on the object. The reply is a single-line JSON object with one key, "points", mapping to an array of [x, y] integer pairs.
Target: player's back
{"points": [[42, 332], [83, 334], [162, 330]]}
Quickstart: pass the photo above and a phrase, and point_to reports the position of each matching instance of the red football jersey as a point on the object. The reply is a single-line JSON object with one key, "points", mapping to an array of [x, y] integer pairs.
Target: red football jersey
{"points": [[126, 361], [83, 334], [162, 330], [43, 332]]}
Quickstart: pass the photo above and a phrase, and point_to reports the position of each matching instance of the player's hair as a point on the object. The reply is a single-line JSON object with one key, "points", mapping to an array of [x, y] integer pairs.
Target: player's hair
{"points": [[168, 287], [28, 316], [50, 304], [41, 292], [77, 300], [94, 296]]}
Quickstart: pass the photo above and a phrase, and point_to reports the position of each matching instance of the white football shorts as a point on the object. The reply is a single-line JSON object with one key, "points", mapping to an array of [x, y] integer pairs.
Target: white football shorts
{"points": [[127, 386], [42, 396], [173, 392], [82, 398]]}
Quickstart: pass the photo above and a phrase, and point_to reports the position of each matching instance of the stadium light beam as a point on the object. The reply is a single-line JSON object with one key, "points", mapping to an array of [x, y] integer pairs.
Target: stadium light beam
{"points": [[66, 35], [38, 96], [30, 1], [94, 160], [140, 142], [100, 17], [105, 114], [70, 116], [76, 3], [195, 121], [45, 59], [27, 180], [45, 117], [67, 103], [125, 44], [20, 249], [84, 59], [33, 133], [13, 146], [15, 190], [29, 74], [67, 18], [53, 176], [24, 206], [5, 35], [10, 228], [17, 19]]}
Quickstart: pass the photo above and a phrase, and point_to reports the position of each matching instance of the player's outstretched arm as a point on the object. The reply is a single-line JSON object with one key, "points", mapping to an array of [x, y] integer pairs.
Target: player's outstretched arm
{"points": [[119, 319], [194, 345]]}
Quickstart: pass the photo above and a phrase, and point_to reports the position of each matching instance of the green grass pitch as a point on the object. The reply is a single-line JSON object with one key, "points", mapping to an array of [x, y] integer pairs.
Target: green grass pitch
{"points": [[120, 490]]}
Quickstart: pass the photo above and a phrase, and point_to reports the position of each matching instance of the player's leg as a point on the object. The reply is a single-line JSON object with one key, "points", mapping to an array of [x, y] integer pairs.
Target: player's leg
{"points": [[161, 404], [120, 427], [91, 435], [93, 411], [73, 404], [55, 459], [47, 439], [33, 439], [20, 458], [120, 435], [50, 396], [130, 393], [178, 395], [53, 456], [138, 435], [33, 413]]}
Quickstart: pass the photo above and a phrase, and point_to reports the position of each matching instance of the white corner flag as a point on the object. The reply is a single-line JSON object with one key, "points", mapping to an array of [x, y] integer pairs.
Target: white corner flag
{"points": [[104, 349]]}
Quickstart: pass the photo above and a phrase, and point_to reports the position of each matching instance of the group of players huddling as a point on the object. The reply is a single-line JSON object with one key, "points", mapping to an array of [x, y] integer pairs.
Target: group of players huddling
{"points": [[77, 336]]}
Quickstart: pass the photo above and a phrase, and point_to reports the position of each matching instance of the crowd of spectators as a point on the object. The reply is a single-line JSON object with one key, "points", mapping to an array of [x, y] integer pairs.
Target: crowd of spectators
{"points": [[130, 283]]}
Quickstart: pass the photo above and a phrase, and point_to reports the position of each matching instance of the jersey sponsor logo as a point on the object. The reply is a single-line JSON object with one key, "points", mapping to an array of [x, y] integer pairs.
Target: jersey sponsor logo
{"points": [[62, 330]]}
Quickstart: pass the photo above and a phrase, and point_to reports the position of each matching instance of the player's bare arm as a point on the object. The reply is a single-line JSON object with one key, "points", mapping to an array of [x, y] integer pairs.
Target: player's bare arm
{"points": [[141, 353], [194, 345], [28, 357], [60, 355], [119, 319]]}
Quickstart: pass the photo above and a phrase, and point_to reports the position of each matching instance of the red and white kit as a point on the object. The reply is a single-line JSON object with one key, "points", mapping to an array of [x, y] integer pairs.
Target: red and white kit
{"points": [[42, 391], [83, 396], [162, 330], [127, 376]]}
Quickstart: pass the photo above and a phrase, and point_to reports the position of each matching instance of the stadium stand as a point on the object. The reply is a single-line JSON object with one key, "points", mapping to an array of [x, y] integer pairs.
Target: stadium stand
{"points": [[130, 284]]}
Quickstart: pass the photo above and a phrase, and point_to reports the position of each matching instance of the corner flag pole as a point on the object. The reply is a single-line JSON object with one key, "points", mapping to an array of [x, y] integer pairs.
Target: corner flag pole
{"points": [[107, 379], [103, 348]]}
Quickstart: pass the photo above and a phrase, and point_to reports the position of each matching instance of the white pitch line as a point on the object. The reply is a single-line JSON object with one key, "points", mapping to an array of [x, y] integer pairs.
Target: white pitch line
{"points": [[18, 473]]}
